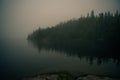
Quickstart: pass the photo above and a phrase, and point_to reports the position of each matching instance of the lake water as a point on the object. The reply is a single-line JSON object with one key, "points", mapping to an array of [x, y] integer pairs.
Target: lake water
{"points": [[19, 58]]}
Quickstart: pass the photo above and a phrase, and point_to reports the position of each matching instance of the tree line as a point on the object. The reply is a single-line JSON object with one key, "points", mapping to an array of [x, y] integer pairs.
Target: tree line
{"points": [[91, 34]]}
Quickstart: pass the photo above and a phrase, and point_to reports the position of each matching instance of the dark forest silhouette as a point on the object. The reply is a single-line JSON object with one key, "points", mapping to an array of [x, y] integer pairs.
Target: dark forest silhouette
{"points": [[93, 35]]}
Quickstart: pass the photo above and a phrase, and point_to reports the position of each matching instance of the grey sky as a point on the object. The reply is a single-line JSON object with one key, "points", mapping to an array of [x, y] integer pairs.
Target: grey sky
{"points": [[27, 15]]}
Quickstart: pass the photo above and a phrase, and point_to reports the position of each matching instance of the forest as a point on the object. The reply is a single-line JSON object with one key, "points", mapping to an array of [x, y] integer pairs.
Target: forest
{"points": [[91, 34]]}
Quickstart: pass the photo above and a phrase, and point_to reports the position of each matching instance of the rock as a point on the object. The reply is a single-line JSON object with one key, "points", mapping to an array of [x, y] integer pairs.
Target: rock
{"points": [[63, 76], [93, 77], [51, 77]]}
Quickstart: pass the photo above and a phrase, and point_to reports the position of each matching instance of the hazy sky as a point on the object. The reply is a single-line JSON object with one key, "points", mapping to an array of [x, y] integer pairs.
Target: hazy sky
{"points": [[26, 15]]}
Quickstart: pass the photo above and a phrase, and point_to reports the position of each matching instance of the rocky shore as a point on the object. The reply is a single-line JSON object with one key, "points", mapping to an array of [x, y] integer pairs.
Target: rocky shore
{"points": [[63, 76]]}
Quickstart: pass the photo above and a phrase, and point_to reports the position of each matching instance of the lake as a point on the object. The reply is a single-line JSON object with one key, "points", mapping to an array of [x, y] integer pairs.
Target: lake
{"points": [[19, 58]]}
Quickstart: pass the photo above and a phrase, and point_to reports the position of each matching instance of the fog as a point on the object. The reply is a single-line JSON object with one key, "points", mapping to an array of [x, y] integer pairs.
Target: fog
{"points": [[20, 58], [21, 17]]}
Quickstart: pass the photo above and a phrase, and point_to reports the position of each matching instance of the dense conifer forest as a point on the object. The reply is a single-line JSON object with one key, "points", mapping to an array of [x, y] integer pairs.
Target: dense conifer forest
{"points": [[95, 34]]}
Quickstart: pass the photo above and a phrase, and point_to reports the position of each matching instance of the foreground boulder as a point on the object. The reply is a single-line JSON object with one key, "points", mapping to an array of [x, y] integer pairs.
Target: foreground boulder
{"points": [[67, 77], [93, 77]]}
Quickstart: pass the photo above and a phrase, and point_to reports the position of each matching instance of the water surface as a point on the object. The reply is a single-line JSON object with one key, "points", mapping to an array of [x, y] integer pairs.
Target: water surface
{"points": [[19, 58]]}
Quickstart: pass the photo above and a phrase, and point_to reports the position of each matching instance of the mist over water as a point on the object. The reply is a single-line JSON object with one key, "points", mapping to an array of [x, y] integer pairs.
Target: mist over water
{"points": [[19, 18]]}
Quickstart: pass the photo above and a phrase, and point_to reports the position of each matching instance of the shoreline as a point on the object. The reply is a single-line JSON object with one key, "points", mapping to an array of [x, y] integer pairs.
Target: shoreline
{"points": [[68, 76]]}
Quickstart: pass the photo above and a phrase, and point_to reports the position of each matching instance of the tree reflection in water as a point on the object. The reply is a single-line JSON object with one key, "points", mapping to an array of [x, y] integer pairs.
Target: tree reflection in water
{"points": [[91, 55]]}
